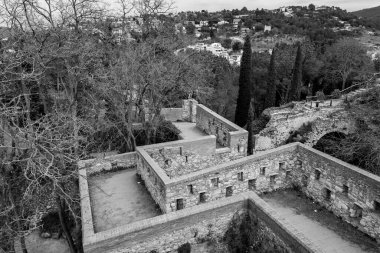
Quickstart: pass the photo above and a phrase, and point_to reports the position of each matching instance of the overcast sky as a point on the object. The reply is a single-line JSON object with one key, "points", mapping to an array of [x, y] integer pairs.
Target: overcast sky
{"points": [[213, 5]]}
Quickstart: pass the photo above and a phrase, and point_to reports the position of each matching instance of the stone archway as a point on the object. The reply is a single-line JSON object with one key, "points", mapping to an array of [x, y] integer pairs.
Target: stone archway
{"points": [[327, 143]]}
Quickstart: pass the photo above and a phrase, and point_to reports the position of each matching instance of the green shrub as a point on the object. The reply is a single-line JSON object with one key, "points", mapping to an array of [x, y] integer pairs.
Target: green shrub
{"points": [[336, 93], [320, 95]]}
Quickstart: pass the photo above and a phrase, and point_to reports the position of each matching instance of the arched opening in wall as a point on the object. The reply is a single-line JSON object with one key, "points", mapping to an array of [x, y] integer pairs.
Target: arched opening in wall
{"points": [[330, 143]]}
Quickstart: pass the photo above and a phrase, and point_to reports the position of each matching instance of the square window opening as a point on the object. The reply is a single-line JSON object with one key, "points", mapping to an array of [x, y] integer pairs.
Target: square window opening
{"points": [[229, 191], [272, 179], [190, 188], [287, 174], [202, 197], [215, 182], [252, 184], [317, 174], [345, 189], [305, 181], [376, 206], [327, 194], [281, 165], [179, 204]]}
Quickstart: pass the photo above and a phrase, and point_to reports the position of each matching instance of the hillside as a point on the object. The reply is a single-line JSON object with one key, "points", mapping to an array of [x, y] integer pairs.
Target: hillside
{"points": [[369, 13]]}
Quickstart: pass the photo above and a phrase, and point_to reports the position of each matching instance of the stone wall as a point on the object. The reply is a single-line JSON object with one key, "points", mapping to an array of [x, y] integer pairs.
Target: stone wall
{"points": [[167, 232], [227, 133], [268, 171], [203, 145], [154, 178], [189, 110], [108, 163], [348, 191], [284, 121], [172, 114]]}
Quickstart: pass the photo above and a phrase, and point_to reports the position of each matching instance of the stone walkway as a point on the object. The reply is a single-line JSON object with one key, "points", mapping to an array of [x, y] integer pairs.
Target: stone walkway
{"points": [[318, 225], [189, 131]]}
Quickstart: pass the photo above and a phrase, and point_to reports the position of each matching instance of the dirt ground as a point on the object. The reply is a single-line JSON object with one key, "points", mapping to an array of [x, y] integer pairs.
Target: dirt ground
{"points": [[119, 198], [36, 244], [318, 224]]}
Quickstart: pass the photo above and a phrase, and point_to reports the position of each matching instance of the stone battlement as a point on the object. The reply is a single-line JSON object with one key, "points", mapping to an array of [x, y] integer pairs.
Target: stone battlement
{"points": [[195, 186]]}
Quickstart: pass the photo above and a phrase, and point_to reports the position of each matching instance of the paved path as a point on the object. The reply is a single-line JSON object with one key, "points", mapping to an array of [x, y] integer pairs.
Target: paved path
{"points": [[328, 237], [189, 131]]}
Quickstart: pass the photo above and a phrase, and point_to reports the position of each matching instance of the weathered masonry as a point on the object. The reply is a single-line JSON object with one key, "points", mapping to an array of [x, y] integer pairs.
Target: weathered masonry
{"points": [[200, 183], [167, 232]]}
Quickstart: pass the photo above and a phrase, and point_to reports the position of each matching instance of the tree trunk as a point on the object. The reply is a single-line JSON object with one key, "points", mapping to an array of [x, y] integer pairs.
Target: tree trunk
{"points": [[344, 80], [66, 231]]}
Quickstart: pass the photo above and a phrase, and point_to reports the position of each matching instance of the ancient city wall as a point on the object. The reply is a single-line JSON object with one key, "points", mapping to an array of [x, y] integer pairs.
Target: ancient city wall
{"points": [[268, 171], [348, 191], [167, 232], [227, 133]]}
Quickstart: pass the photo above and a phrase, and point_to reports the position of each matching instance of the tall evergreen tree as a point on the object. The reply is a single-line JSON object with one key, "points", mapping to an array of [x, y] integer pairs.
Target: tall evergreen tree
{"points": [[295, 86], [251, 118], [270, 99], [244, 96]]}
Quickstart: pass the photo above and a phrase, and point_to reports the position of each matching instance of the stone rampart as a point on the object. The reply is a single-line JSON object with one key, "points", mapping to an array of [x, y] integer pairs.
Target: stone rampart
{"points": [[227, 133], [167, 232], [268, 171], [348, 191]]}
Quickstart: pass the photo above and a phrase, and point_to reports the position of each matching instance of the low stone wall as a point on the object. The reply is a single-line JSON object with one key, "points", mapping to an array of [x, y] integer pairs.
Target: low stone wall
{"points": [[172, 114], [167, 232], [268, 171], [203, 145], [227, 133], [348, 191], [108, 163]]}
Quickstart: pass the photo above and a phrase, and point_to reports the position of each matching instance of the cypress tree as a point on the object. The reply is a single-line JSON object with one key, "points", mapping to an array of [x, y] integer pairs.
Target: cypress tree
{"points": [[270, 99], [251, 118], [295, 86], [244, 96]]}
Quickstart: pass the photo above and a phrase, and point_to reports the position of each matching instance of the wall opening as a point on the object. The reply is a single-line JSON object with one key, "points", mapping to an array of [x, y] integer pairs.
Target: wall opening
{"points": [[229, 191], [329, 142], [281, 165], [317, 174], [376, 206], [240, 176], [304, 180], [345, 189], [252, 184], [272, 179], [262, 171], [287, 175], [215, 182], [179, 204], [327, 194], [202, 197], [190, 188], [356, 211]]}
